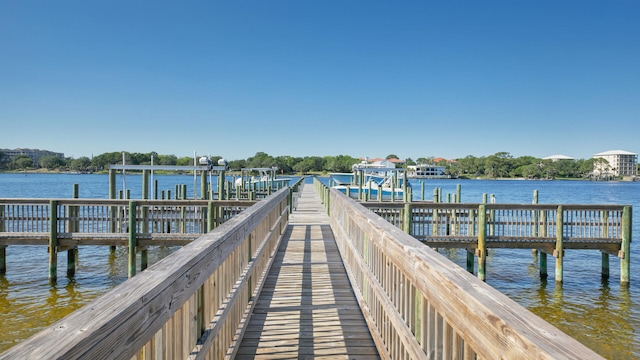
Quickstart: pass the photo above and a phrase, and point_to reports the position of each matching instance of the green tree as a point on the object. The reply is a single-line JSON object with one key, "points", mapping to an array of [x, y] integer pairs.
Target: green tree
{"points": [[499, 165], [166, 160], [286, 163], [471, 166], [80, 164], [102, 161], [51, 162], [185, 161], [304, 166], [340, 163], [21, 162], [261, 160], [237, 164]]}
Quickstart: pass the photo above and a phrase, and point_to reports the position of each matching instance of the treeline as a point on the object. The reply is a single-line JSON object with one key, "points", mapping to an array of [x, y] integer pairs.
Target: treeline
{"points": [[499, 165], [285, 164]]}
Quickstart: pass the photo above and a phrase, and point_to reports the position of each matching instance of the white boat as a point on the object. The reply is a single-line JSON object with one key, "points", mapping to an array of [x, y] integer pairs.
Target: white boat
{"points": [[372, 188], [375, 179], [261, 178]]}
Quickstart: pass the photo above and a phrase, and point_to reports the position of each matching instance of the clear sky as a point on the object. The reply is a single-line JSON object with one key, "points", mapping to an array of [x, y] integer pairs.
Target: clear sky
{"points": [[317, 78]]}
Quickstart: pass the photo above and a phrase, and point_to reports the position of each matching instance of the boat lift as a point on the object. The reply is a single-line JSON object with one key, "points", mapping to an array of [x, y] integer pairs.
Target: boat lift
{"points": [[203, 164]]}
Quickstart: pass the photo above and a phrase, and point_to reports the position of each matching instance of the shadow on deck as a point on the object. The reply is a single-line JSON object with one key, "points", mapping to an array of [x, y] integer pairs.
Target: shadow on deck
{"points": [[307, 308]]}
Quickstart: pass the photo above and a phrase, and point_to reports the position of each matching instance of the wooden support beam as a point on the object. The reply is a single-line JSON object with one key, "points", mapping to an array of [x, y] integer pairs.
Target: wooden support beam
{"points": [[625, 247], [559, 251], [53, 241], [132, 239]]}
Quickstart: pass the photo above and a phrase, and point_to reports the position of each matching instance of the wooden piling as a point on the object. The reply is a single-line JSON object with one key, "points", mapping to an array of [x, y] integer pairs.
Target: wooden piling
{"points": [[221, 186], [203, 186], [144, 254], [543, 255], [72, 254], [625, 258], [53, 242], [559, 251], [132, 239], [481, 251], [3, 249], [471, 259], [408, 217], [535, 220], [3, 259], [210, 216], [605, 265], [114, 209]]}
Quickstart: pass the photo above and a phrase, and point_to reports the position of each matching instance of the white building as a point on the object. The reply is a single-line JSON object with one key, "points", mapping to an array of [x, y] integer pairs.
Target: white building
{"points": [[558, 157], [34, 154], [620, 163]]}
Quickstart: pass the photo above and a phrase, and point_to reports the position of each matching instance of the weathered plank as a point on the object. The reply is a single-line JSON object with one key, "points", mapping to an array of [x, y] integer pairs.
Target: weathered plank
{"points": [[307, 308]]}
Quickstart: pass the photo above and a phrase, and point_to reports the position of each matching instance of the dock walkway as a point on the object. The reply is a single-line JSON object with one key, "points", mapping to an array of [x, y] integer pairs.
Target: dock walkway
{"points": [[307, 308]]}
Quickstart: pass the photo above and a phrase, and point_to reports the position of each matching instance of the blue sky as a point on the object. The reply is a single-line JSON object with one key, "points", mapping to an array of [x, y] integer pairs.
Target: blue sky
{"points": [[317, 78]]}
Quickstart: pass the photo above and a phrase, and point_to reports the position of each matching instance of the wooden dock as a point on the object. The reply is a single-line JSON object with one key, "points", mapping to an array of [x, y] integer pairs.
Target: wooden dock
{"points": [[307, 308], [270, 284]]}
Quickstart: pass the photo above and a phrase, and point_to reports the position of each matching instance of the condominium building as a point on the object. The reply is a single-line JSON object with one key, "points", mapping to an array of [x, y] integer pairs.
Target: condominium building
{"points": [[620, 163], [34, 154]]}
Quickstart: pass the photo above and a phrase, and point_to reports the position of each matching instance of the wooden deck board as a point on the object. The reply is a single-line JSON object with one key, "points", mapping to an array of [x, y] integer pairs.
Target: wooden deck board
{"points": [[307, 309]]}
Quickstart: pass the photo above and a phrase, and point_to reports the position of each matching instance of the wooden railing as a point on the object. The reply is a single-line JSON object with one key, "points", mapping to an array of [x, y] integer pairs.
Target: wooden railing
{"points": [[192, 304], [419, 304], [549, 228], [65, 224]]}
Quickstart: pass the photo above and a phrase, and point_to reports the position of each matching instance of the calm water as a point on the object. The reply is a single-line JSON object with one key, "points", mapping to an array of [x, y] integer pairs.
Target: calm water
{"points": [[599, 314]]}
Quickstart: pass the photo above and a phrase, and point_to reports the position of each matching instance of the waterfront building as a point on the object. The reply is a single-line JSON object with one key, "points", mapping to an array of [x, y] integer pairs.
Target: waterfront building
{"points": [[34, 154], [426, 171], [558, 157], [620, 163]]}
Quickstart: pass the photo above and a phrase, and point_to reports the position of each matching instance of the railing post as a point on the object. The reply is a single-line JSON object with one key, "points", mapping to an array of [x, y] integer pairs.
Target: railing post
{"points": [[559, 251], [327, 200], [3, 249], [408, 218], [72, 254], [144, 213], [221, 185], [481, 250], [625, 260], [543, 255], [471, 259], [183, 218], [605, 233], [53, 241], [114, 209], [534, 229], [405, 186], [132, 239], [204, 194], [210, 216]]}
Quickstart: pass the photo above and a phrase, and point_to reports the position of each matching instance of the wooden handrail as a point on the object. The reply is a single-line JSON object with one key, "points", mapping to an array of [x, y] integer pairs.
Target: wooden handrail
{"points": [[420, 305], [180, 306]]}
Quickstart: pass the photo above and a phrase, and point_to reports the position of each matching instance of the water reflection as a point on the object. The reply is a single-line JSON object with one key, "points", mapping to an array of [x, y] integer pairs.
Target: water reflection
{"points": [[597, 318]]}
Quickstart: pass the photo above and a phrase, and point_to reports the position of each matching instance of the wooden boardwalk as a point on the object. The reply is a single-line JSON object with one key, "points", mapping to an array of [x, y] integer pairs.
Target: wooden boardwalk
{"points": [[307, 308]]}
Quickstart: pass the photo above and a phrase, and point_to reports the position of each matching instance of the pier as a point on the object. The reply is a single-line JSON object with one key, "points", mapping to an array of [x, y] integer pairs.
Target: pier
{"points": [[268, 282]]}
